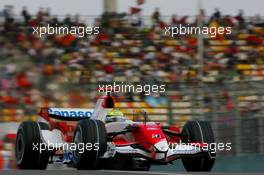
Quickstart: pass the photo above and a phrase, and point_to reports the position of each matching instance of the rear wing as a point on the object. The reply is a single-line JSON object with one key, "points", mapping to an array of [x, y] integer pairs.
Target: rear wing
{"points": [[68, 114]]}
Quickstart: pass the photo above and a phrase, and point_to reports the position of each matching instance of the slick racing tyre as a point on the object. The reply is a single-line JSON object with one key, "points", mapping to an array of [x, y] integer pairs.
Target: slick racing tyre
{"points": [[199, 132], [89, 132], [27, 155]]}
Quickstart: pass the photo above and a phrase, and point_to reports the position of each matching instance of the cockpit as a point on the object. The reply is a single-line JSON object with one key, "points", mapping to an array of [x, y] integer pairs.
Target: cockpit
{"points": [[115, 116]]}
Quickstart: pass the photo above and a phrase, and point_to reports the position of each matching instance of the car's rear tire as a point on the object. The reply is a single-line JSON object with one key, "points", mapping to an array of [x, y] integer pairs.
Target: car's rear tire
{"points": [[90, 132], [27, 155], [199, 132]]}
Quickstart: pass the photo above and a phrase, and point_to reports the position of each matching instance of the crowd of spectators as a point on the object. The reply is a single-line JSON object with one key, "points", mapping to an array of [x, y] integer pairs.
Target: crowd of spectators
{"points": [[63, 70], [35, 71]]}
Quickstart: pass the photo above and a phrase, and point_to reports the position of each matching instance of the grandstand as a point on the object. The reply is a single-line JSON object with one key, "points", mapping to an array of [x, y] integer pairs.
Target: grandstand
{"points": [[64, 71]]}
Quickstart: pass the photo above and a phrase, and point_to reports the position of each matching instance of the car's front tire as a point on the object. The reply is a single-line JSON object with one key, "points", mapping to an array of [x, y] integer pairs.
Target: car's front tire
{"points": [[27, 155], [90, 132], [199, 132]]}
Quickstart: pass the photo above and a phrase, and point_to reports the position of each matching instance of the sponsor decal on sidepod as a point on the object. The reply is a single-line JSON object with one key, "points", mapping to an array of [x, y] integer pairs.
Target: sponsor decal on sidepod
{"points": [[71, 112]]}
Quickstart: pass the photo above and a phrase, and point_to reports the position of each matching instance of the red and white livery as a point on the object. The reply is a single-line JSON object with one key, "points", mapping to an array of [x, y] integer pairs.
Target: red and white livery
{"points": [[93, 139]]}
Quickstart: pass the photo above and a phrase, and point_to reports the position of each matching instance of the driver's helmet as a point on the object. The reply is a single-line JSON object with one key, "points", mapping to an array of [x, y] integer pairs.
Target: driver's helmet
{"points": [[115, 116]]}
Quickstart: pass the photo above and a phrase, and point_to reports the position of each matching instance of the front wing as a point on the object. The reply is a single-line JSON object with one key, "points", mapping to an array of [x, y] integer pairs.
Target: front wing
{"points": [[178, 151]]}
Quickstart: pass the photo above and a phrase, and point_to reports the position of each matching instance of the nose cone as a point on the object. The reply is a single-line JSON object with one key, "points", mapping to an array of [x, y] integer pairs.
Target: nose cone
{"points": [[162, 146]]}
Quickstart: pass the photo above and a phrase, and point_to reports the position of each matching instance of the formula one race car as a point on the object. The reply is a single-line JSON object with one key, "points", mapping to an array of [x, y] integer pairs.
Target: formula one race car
{"points": [[104, 139]]}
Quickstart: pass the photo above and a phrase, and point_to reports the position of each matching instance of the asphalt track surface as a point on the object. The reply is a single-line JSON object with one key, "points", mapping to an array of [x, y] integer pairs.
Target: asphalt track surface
{"points": [[105, 172], [75, 172]]}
